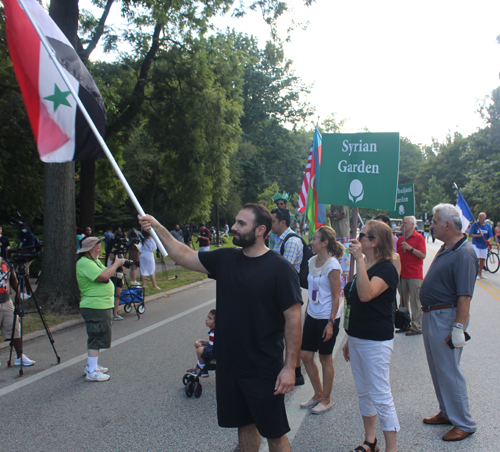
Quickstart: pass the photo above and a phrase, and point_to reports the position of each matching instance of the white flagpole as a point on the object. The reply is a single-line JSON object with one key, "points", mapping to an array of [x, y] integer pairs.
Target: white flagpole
{"points": [[103, 144]]}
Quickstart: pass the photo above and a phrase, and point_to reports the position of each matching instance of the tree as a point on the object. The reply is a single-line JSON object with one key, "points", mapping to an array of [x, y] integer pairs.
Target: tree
{"points": [[482, 189], [173, 23], [435, 195], [58, 288], [410, 159]]}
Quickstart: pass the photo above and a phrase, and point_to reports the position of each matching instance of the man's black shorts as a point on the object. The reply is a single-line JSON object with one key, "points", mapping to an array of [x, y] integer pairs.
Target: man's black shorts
{"points": [[244, 400], [312, 337]]}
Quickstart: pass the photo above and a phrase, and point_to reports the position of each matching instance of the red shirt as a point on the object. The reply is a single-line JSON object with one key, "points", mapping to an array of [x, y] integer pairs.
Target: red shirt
{"points": [[205, 237], [411, 265]]}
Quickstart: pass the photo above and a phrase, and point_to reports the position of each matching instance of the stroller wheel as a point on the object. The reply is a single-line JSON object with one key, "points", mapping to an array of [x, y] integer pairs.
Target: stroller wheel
{"points": [[197, 390], [185, 379], [127, 308], [189, 389], [141, 308]]}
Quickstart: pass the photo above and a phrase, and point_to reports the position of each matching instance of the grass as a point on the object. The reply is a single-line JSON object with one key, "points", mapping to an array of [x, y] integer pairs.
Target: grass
{"points": [[32, 321], [172, 279]]}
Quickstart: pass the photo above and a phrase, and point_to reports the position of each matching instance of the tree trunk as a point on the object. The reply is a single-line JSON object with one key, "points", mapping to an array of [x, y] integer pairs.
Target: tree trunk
{"points": [[58, 288], [87, 194]]}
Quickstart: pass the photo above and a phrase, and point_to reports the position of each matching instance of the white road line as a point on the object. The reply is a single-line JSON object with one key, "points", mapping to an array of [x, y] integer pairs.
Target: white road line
{"points": [[28, 380], [294, 413]]}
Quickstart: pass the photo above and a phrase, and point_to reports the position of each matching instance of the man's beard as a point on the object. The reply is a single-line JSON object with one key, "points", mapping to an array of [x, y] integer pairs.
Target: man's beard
{"points": [[246, 240]]}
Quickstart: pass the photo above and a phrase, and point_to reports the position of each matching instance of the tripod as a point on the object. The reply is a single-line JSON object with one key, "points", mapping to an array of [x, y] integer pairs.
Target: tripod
{"points": [[24, 282]]}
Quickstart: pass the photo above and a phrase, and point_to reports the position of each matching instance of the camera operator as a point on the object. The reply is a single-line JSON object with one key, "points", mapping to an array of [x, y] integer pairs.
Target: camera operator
{"points": [[134, 255], [26, 237], [7, 311], [117, 251], [96, 305]]}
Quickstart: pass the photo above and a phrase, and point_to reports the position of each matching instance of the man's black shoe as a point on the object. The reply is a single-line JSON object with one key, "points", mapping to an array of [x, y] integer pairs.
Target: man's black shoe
{"points": [[299, 381]]}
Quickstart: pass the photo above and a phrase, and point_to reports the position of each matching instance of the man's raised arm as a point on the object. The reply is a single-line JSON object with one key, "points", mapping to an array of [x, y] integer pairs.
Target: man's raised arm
{"points": [[178, 252]]}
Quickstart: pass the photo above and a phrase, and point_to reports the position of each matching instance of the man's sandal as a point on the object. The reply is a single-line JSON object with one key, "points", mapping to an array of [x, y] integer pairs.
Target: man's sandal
{"points": [[373, 447]]}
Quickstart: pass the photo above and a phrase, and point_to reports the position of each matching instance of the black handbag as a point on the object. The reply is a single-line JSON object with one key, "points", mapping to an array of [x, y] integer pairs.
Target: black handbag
{"points": [[402, 319]]}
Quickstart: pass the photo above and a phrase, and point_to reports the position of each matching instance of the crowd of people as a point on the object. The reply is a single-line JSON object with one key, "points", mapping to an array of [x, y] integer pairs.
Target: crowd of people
{"points": [[262, 339]]}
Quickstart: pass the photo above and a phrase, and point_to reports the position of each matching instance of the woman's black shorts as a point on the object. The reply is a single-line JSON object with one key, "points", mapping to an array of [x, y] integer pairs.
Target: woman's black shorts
{"points": [[312, 336]]}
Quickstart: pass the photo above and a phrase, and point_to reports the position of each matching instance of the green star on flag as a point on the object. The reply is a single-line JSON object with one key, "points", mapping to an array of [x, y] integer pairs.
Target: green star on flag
{"points": [[59, 98]]}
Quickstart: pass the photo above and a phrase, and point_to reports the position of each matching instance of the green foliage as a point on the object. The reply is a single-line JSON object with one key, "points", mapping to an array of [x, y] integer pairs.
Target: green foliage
{"points": [[196, 105], [448, 166], [435, 194], [411, 157]]}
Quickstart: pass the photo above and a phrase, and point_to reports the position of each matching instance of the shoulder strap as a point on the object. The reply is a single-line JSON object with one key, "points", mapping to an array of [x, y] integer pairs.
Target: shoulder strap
{"points": [[292, 234]]}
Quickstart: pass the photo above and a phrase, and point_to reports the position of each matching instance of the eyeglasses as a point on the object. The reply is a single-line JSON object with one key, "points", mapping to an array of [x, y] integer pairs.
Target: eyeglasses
{"points": [[362, 234]]}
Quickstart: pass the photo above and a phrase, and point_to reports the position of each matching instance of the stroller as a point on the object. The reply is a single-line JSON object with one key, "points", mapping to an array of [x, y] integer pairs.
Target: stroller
{"points": [[192, 382], [133, 296]]}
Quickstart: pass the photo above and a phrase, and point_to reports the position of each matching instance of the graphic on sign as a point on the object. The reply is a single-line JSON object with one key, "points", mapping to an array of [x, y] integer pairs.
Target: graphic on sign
{"points": [[356, 191], [405, 201], [359, 170]]}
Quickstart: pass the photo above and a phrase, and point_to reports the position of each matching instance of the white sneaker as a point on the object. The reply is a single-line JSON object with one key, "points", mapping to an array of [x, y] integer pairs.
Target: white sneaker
{"points": [[103, 370], [134, 283], [97, 376], [26, 361], [483, 277]]}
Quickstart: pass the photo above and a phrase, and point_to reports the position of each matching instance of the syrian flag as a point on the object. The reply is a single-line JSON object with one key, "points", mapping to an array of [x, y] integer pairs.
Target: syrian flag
{"points": [[464, 211], [61, 132]]}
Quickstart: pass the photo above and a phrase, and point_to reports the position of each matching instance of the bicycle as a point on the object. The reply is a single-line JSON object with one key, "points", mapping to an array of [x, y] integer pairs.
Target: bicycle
{"points": [[492, 262]]}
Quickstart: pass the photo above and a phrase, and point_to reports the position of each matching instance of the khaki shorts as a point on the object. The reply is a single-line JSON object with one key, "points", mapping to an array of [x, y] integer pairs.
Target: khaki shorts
{"points": [[98, 323], [6, 320]]}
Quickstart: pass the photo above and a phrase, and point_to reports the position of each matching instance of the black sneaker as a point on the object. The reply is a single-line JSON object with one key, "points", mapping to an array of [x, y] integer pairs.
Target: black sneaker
{"points": [[299, 381]]}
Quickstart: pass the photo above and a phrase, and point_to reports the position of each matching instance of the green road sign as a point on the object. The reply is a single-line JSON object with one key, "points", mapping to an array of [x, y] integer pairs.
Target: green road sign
{"points": [[405, 202], [359, 170]]}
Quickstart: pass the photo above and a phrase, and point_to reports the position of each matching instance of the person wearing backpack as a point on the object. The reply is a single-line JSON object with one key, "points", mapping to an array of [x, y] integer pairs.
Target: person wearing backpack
{"points": [[291, 248]]}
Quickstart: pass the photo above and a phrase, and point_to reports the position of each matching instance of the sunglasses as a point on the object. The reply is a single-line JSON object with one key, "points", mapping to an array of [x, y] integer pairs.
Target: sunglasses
{"points": [[362, 234]]}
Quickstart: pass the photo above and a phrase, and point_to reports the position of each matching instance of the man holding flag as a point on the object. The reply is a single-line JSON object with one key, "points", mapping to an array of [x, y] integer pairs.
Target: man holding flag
{"points": [[481, 231]]}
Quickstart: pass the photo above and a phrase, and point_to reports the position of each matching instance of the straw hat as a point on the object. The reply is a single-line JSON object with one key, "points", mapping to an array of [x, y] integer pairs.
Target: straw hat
{"points": [[88, 243]]}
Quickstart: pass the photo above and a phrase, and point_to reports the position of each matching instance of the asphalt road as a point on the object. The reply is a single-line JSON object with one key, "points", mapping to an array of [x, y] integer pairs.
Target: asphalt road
{"points": [[143, 406]]}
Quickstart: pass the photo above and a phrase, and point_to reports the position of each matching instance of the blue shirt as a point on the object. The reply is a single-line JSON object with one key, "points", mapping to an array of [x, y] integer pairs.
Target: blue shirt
{"points": [[293, 252], [485, 229]]}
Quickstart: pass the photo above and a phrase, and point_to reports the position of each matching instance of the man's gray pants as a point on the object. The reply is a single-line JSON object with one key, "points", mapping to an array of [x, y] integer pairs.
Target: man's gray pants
{"points": [[444, 365], [409, 295]]}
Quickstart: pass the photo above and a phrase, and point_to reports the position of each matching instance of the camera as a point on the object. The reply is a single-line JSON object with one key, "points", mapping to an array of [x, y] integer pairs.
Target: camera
{"points": [[128, 262], [24, 254]]}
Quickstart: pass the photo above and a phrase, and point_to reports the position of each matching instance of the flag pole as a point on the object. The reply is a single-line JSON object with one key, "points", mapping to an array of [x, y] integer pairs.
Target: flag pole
{"points": [[100, 139]]}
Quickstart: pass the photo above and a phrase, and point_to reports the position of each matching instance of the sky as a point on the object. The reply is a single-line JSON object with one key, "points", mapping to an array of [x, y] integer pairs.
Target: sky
{"points": [[418, 68]]}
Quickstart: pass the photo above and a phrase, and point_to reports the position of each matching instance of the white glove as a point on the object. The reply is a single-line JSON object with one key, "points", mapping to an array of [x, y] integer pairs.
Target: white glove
{"points": [[458, 337]]}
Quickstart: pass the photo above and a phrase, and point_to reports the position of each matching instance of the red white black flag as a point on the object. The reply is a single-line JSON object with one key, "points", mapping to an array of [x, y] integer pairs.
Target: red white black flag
{"points": [[61, 132]]}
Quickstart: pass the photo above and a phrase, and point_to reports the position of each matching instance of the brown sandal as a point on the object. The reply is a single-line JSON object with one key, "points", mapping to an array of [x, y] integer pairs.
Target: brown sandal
{"points": [[374, 447]]}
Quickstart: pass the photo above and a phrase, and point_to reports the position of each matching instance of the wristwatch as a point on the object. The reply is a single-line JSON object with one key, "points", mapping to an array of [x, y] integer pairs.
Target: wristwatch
{"points": [[331, 320], [458, 325], [411, 251]]}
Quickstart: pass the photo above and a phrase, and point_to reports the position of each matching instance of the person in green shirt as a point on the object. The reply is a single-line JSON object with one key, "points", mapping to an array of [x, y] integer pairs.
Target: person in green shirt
{"points": [[97, 302]]}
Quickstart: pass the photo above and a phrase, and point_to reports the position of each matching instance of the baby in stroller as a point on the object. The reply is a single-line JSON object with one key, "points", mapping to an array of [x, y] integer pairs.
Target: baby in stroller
{"points": [[204, 348]]}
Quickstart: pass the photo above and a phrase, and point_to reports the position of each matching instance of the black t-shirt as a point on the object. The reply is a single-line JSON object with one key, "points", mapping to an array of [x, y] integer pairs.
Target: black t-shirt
{"points": [[4, 243], [374, 320], [252, 294]]}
